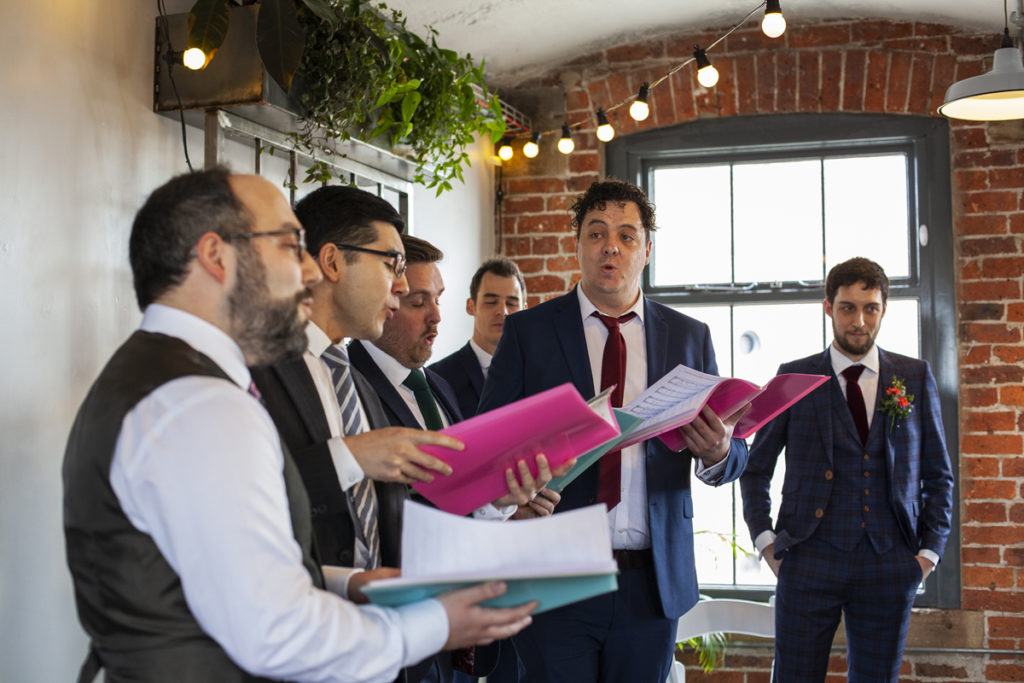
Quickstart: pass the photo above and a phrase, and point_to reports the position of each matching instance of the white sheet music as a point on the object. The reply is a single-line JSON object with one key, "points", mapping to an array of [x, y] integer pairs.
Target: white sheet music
{"points": [[682, 391], [437, 544]]}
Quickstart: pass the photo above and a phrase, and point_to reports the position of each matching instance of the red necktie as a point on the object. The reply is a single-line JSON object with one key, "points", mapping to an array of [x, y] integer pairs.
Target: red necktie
{"points": [[613, 371], [855, 400]]}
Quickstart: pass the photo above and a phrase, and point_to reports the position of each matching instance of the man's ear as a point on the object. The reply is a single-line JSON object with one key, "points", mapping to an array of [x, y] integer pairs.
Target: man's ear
{"points": [[828, 307], [330, 261], [471, 306], [213, 255]]}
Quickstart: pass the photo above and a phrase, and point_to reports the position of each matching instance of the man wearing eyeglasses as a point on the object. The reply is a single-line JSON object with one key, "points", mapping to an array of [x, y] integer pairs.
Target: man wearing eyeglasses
{"points": [[187, 526]]}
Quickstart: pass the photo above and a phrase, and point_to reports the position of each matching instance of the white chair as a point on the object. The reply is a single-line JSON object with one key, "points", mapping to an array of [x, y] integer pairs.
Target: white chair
{"points": [[723, 616]]}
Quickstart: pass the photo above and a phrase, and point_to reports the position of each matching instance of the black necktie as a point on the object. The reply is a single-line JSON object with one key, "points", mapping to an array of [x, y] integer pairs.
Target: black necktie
{"points": [[855, 400]]}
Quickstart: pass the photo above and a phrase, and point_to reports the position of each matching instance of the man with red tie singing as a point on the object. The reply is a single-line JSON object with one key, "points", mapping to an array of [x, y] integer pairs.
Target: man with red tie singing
{"points": [[604, 333], [868, 494]]}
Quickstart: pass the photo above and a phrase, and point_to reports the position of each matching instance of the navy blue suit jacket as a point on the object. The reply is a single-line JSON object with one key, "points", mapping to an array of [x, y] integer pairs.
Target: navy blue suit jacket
{"points": [[920, 479], [544, 347], [395, 407], [463, 373]]}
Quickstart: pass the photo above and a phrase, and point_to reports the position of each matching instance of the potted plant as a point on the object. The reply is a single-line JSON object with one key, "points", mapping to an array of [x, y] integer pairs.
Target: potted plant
{"points": [[353, 69]]}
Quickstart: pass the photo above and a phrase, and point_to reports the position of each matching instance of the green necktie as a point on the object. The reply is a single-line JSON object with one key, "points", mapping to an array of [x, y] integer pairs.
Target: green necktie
{"points": [[417, 381]]}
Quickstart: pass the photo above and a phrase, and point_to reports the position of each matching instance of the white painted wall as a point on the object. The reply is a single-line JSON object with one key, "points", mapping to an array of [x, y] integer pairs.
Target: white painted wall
{"points": [[81, 150]]}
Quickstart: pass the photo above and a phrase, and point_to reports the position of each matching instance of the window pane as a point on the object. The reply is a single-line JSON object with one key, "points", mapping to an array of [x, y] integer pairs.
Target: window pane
{"points": [[777, 213], [768, 335], [900, 329], [866, 211], [693, 241]]}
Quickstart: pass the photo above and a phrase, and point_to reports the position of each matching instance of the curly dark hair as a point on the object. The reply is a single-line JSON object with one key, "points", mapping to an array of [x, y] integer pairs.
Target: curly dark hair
{"points": [[852, 271], [612, 190]]}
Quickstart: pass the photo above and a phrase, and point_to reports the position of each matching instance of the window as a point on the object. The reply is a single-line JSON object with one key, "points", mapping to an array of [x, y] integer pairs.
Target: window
{"points": [[753, 213]]}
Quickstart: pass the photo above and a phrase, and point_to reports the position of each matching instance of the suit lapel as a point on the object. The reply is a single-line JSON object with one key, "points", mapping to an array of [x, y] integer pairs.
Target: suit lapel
{"points": [[467, 358], [656, 341], [443, 397], [823, 404], [385, 389], [880, 420], [569, 330], [296, 380]]}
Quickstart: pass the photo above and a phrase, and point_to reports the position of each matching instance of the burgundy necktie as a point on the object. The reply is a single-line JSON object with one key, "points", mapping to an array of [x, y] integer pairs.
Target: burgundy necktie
{"points": [[613, 371], [855, 400]]}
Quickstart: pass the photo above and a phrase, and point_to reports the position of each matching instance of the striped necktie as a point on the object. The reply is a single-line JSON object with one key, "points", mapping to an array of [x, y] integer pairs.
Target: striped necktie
{"points": [[362, 497]]}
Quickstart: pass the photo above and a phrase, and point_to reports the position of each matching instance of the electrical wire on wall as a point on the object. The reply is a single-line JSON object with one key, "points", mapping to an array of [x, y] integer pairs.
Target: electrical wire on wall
{"points": [[499, 231], [170, 74]]}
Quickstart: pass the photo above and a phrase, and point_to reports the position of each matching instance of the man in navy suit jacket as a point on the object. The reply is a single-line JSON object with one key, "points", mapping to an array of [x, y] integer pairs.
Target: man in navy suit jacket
{"points": [[628, 635], [496, 291], [867, 497]]}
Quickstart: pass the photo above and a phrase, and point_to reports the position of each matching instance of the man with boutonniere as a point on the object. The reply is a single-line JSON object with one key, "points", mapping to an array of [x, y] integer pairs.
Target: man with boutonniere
{"points": [[868, 492]]}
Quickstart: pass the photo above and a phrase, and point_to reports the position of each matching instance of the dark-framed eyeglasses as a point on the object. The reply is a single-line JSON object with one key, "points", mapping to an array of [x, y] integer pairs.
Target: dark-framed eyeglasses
{"points": [[396, 259], [298, 233]]}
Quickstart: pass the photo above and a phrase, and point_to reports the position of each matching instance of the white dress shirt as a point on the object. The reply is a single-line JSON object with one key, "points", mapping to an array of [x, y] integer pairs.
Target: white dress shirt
{"points": [[198, 467], [396, 374], [482, 357], [868, 383], [628, 520]]}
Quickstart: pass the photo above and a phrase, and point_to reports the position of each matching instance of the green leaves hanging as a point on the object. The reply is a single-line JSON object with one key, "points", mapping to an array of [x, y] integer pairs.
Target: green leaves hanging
{"points": [[281, 40], [207, 26]]}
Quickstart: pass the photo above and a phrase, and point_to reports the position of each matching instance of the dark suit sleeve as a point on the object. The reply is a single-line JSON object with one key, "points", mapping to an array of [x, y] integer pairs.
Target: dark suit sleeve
{"points": [[936, 472], [504, 383], [757, 477]]}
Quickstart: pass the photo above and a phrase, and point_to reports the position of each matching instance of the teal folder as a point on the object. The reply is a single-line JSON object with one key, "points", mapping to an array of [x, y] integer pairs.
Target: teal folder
{"points": [[627, 423], [549, 591]]}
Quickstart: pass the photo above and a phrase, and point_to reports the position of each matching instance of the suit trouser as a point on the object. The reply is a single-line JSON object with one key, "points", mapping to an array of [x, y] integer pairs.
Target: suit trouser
{"points": [[610, 638], [872, 591]]}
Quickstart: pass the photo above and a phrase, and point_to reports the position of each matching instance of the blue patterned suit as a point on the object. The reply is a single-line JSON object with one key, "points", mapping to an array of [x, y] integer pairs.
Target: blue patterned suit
{"points": [[852, 518], [545, 346], [462, 371]]}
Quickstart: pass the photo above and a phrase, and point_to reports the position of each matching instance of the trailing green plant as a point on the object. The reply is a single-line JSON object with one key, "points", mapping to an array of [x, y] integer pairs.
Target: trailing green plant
{"points": [[362, 73], [710, 649]]}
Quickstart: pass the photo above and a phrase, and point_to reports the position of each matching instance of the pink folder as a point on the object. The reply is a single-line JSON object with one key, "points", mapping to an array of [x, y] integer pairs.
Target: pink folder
{"points": [[765, 403], [556, 422]]}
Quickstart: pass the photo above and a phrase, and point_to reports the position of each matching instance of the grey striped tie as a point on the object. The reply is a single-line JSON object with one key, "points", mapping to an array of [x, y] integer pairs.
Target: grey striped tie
{"points": [[362, 497]]}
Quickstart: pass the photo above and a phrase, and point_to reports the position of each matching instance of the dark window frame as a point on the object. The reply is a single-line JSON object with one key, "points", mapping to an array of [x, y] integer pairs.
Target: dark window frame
{"points": [[932, 273]]}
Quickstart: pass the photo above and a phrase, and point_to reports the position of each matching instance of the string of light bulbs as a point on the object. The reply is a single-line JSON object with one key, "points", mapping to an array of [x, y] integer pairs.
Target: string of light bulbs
{"points": [[773, 25]]}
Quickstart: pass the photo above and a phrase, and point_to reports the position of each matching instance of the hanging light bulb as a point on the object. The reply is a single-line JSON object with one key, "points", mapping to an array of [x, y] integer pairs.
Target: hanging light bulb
{"points": [[505, 149], [639, 109], [774, 24], [193, 58], [605, 132], [532, 146], [995, 96], [707, 75], [565, 143]]}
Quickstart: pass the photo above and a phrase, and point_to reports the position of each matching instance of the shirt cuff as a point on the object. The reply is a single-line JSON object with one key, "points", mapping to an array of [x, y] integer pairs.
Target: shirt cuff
{"points": [[763, 540], [492, 513], [929, 555], [712, 474], [349, 471], [336, 578], [425, 627]]}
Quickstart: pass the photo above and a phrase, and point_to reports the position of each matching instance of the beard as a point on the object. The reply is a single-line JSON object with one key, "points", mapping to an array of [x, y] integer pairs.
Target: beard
{"points": [[267, 330], [852, 347]]}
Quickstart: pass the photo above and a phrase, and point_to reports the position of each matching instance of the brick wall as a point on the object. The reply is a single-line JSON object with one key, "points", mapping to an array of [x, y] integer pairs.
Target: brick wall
{"points": [[890, 67]]}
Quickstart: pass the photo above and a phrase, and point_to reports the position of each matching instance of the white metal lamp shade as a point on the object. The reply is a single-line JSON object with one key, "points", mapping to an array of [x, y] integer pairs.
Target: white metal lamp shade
{"points": [[995, 96]]}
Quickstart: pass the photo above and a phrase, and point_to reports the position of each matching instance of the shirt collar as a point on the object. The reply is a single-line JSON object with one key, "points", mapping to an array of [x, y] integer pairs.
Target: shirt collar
{"points": [[202, 336], [392, 369], [317, 340], [840, 362], [587, 307], [482, 356]]}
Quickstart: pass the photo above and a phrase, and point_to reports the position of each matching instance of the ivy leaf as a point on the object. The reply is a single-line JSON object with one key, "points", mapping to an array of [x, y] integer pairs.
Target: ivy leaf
{"points": [[208, 25], [322, 9], [411, 100], [280, 39]]}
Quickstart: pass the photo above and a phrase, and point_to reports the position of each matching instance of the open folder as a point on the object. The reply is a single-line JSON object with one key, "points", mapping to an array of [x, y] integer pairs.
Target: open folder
{"points": [[678, 397], [556, 422], [555, 560]]}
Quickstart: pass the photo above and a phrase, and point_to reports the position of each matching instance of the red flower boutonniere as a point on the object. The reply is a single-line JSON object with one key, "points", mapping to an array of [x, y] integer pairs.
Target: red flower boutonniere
{"points": [[896, 402]]}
